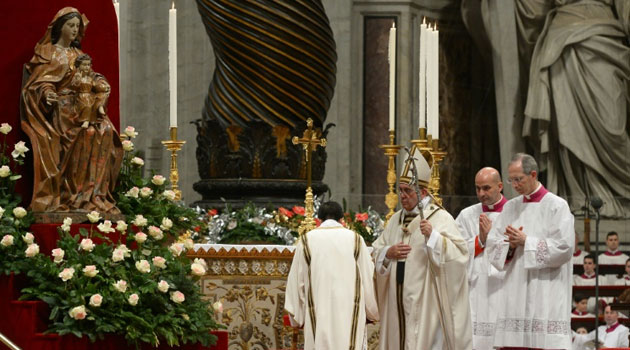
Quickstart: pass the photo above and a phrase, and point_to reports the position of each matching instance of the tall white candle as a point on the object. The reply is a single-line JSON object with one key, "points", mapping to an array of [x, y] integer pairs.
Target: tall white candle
{"points": [[392, 77], [422, 110], [117, 9], [172, 63], [436, 94], [430, 80]]}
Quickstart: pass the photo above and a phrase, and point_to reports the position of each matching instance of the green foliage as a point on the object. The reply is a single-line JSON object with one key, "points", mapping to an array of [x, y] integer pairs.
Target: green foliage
{"points": [[253, 224], [89, 300]]}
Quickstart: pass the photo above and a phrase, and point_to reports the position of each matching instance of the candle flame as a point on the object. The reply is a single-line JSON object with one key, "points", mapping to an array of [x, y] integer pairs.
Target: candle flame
{"points": [[394, 25], [173, 5], [424, 20]]}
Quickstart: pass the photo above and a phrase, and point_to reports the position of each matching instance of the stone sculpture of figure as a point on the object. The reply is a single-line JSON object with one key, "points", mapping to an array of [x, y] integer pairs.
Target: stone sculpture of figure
{"points": [[76, 149], [577, 104]]}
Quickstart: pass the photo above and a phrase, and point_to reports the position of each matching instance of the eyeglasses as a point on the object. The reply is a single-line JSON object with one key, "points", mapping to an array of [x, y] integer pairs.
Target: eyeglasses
{"points": [[516, 180]]}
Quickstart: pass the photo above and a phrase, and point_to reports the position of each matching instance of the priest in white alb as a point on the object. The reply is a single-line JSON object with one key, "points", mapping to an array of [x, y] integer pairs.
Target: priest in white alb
{"points": [[421, 262], [532, 241], [330, 289], [484, 280]]}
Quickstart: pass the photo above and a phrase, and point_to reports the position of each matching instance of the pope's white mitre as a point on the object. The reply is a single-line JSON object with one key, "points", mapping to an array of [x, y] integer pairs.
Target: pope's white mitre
{"points": [[422, 166]]}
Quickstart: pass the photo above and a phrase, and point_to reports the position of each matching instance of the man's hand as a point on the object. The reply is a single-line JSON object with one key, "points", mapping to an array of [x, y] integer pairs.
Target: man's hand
{"points": [[426, 228], [485, 224], [516, 237], [398, 251]]}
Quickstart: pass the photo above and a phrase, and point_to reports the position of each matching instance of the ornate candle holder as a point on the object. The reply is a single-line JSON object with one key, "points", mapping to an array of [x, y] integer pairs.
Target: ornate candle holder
{"points": [[391, 151], [437, 155], [432, 153], [174, 146]]}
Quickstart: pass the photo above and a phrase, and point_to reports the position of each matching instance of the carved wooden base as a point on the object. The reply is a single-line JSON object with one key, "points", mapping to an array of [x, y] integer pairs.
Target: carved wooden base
{"points": [[238, 192]]}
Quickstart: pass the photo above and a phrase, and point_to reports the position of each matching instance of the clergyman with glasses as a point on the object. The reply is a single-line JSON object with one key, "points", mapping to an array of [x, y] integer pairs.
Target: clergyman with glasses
{"points": [[532, 241]]}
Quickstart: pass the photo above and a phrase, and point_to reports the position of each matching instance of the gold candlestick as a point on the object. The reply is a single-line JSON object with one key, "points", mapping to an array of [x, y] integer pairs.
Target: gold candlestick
{"points": [[429, 148], [437, 155], [391, 151], [174, 146]]}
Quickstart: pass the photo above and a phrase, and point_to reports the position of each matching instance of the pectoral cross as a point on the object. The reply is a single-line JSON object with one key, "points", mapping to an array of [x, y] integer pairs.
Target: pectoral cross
{"points": [[309, 142]]}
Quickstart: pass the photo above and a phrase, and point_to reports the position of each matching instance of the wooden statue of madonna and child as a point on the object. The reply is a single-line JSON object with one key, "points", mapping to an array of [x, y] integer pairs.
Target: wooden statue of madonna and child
{"points": [[77, 152]]}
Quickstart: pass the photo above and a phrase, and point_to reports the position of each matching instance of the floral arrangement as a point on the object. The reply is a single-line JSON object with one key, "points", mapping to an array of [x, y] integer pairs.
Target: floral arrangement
{"points": [[142, 286], [14, 220], [278, 226], [146, 294], [147, 199]]}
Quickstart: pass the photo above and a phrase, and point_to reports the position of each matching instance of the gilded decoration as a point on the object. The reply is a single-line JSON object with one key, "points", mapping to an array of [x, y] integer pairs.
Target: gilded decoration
{"points": [[250, 282]]}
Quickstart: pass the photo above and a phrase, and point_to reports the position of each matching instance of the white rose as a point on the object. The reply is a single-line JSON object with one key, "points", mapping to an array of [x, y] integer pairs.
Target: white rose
{"points": [[130, 131], [168, 194], [66, 225], [1, 212], [118, 255], [66, 274], [90, 271], [202, 262], [28, 238], [156, 233], [166, 224], [78, 313], [86, 245], [31, 250], [158, 180], [105, 227], [19, 150], [58, 254], [145, 192], [197, 269], [126, 251], [178, 297], [5, 171], [176, 249], [127, 146], [7, 241], [143, 266], [137, 161], [120, 286], [140, 221], [19, 212], [140, 237], [133, 192], [189, 244], [159, 262], [5, 128], [133, 299], [96, 300], [163, 286], [94, 216], [121, 226]]}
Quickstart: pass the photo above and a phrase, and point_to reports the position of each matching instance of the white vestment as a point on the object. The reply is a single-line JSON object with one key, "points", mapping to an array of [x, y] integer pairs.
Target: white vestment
{"points": [[434, 304], [483, 286], [535, 301], [624, 281], [339, 278], [616, 258], [615, 337]]}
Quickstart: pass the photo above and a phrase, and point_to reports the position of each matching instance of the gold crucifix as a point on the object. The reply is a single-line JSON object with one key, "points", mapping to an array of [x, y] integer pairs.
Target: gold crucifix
{"points": [[309, 142]]}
